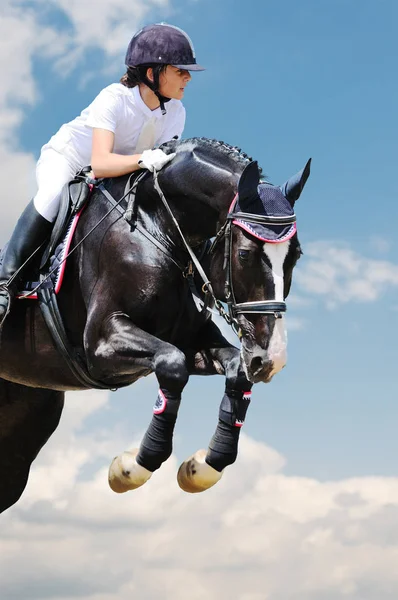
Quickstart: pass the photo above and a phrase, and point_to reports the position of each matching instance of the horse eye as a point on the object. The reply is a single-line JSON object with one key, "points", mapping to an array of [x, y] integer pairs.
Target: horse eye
{"points": [[244, 255]]}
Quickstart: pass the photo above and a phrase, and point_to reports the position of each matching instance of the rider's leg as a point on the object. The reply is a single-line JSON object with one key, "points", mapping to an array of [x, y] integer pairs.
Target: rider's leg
{"points": [[34, 226]]}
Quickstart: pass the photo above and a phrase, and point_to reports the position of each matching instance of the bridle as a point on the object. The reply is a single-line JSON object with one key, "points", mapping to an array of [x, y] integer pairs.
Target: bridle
{"points": [[264, 307]]}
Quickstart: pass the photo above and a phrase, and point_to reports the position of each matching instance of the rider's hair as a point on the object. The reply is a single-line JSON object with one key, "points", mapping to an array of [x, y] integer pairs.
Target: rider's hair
{"points": [[136, 75]]}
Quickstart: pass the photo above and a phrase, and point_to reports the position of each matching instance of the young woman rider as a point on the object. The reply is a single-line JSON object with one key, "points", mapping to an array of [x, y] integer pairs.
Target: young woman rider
{"points": [[114, 134]]}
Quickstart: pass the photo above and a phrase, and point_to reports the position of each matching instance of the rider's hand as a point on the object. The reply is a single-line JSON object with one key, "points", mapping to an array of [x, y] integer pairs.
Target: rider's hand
{"points": [[154, 159]]}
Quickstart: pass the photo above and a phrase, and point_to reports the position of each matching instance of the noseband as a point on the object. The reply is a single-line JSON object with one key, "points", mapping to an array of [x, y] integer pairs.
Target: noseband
{"points": [[264, 307]]}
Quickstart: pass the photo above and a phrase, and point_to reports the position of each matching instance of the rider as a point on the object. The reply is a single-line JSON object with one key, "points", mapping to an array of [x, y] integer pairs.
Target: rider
{"points": [[114, 134]]}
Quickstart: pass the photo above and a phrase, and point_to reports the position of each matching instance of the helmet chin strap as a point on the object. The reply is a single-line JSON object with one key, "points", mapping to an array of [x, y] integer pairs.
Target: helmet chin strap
{"points": [[154, 86], [162, 100]]}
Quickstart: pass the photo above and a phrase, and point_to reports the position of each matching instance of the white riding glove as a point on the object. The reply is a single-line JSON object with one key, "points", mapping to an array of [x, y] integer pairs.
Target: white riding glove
{"points": [[154, 159]]}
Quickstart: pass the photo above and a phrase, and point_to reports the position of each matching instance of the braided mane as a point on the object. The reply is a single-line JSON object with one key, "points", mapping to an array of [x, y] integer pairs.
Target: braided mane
{"points": [[233, 152]]}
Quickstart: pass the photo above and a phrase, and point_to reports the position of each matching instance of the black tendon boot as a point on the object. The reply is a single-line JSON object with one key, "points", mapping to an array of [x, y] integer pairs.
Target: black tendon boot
{"points": [[30, 232]]}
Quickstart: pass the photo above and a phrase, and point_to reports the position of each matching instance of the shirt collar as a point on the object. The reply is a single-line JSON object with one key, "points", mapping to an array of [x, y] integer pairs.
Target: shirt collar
{"points": [[142, 106]]}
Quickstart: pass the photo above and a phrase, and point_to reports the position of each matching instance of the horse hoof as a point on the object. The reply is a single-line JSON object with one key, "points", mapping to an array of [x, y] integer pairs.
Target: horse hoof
{"points": [[195, 475], [126, 474]]}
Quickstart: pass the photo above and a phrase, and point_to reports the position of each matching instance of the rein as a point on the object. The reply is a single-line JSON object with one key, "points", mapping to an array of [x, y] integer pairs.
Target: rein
{"points": [[267, 307], [205, 279]]}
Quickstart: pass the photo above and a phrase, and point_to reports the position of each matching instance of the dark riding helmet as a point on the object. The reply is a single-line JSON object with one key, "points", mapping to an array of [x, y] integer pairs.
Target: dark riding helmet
{"points": [[162, 44], [156, 46]]}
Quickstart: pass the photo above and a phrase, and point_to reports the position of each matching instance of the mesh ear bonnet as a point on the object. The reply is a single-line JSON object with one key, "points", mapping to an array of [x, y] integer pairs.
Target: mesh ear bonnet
{"points": [[269, 201]]}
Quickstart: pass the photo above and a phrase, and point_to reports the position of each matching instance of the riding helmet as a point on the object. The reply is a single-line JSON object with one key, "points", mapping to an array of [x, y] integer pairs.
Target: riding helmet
{"points": [[161, 43]]}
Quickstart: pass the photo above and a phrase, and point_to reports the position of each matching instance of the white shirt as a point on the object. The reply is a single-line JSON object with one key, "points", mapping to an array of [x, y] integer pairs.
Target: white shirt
{"points": [[121, 110]]}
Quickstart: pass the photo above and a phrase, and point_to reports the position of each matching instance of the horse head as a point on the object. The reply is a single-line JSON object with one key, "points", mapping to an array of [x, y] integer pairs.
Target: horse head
{"points": [[252, 270]]}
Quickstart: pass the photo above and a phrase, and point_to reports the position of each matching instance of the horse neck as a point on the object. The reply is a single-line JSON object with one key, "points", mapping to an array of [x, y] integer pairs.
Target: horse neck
{"points": [[198, 201]]}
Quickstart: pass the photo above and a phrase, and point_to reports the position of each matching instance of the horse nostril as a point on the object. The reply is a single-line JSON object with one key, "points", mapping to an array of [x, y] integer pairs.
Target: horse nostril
{"points": [[256, 364], [260, 365]]}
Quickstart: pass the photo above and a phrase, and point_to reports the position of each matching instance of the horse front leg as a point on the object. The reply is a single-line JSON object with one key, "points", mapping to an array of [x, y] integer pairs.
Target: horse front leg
{"points": [[123, 348], [204, 469]]}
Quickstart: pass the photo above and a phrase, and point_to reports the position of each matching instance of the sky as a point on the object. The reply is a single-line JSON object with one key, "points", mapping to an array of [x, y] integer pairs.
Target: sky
{"points": [[310, 509]]}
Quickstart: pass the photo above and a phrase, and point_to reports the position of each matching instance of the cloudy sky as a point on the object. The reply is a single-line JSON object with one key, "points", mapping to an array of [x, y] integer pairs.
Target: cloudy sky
{"points": [[310, 509]]}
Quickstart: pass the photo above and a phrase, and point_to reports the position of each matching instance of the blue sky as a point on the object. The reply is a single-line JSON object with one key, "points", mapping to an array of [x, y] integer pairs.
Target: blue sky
{"points": [[284, 81]]}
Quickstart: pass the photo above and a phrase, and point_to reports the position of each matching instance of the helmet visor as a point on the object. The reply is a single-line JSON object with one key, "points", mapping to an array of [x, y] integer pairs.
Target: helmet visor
{"points": [[193, 67]]}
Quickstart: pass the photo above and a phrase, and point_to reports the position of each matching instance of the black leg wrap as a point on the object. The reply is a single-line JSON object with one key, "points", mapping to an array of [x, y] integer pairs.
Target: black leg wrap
{"points": [[223, 447], [157, 444]]}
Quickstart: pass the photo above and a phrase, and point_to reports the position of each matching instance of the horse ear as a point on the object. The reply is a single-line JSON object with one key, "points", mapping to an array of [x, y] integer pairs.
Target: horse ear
{"points": [[248, 182], [294, 186]]}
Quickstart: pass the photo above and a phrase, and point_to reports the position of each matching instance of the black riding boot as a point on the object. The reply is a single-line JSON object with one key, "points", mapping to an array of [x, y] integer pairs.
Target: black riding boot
{"points": [[30, 232]]}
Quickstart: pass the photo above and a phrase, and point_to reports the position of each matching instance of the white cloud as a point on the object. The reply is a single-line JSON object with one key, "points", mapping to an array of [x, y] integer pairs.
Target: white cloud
{"points": [[257, 535], [20, 40], [335, 272], [67, 455], [111, 22]]}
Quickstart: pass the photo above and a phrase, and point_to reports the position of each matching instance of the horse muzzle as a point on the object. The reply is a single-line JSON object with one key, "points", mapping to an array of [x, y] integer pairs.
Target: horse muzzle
{"points": [[259, 366]]}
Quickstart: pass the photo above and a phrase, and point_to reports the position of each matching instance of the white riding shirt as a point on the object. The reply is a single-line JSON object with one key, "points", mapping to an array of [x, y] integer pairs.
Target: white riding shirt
{"points": [[116, 108]]}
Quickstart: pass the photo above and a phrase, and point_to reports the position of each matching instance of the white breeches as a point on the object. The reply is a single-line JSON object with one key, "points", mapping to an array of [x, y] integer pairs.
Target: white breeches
{"points": [[53, 171]]}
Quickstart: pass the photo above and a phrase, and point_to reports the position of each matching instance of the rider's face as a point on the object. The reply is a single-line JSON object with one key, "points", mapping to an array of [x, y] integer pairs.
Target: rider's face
{"points": [[172, 82]]}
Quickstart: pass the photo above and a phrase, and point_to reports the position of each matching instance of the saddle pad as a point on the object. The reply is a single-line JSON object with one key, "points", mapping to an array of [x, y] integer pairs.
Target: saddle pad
{"points": [[56, 265]]}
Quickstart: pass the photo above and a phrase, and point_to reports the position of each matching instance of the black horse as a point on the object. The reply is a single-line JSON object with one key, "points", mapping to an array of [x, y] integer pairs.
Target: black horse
{"points": [[130, 306]]}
